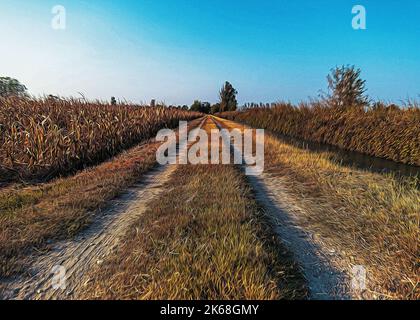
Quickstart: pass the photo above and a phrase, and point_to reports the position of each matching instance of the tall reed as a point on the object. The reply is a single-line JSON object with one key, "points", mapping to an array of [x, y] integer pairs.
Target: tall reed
{"points": [[388, 132], [44, 138]]}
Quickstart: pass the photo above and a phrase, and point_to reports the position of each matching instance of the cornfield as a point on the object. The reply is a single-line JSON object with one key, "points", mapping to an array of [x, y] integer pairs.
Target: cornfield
{"points": [[387, 132], [45, 138]]}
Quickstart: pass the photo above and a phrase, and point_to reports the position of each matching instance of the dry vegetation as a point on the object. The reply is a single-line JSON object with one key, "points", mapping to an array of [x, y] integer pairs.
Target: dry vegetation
{"points": [[387, 132], [41, 139], [31, 216], [60, 209], [204, 239], [372, 219]]}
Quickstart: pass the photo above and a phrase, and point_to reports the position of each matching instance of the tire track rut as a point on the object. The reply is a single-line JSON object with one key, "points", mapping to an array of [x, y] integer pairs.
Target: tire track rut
{"points": [[321, 265], [91, 246]]}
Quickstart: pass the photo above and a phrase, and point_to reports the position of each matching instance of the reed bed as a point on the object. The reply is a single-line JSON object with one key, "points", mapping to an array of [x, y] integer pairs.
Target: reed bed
{"points": [[45, 138], [388, 132]]}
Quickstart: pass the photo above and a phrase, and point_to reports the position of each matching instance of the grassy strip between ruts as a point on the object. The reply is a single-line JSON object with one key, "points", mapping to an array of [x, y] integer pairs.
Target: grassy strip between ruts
{"points": [[205, 238], [59, 210], [372, 219]]}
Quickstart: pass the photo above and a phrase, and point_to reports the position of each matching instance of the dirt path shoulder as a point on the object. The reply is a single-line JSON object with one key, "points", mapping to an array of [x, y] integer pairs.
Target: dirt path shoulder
{"points": [[68, 262], [327, 280]]}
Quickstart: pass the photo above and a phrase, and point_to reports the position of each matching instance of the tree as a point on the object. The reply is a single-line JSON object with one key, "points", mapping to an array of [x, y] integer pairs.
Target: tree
{"points": [[206, 107], [215, 108], [346, 88], [228, 100], [11, 87], [113, 101], [196, 106], [199, 106]]}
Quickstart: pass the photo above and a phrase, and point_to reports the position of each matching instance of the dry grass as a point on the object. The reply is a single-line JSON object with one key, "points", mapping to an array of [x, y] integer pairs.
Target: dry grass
{"points": [[30, 216], [43, 139], [372, 218], [387, 132], [204, 239]]}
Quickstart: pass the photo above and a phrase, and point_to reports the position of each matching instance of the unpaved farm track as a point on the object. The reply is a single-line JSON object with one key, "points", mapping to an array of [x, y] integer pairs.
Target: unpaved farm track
{"points": [[318, 262], [322, 267], [91, 247]]}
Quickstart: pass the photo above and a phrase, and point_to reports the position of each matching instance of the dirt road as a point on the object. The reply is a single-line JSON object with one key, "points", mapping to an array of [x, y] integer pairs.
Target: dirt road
{"points": [[324, 270], [75, 257], [327, 276]]}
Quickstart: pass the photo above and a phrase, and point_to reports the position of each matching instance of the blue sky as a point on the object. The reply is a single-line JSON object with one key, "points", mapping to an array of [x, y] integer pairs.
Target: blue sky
{"points": [[180, 50]]}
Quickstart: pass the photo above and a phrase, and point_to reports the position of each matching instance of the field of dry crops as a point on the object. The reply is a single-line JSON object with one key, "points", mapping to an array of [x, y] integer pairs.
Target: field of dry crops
{"points": [[41, 139], [208, 234], [386, 132]]}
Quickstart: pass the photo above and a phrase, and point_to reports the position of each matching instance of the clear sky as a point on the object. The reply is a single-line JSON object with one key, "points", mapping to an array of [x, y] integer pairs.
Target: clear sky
{"points": [[180, 50]]}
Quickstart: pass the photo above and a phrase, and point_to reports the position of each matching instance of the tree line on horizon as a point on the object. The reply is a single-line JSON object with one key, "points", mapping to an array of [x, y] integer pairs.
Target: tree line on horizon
{"points": [[10, 87], [346, 89], [227, 101]]}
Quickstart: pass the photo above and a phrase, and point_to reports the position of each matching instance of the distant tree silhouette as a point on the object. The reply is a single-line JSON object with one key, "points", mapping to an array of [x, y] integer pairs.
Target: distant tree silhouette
{"points": [[346, 88], [228, 100], [196, 106], [215, 108], [199, 106], [11, 87], [113, 101], [205, 107]]}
